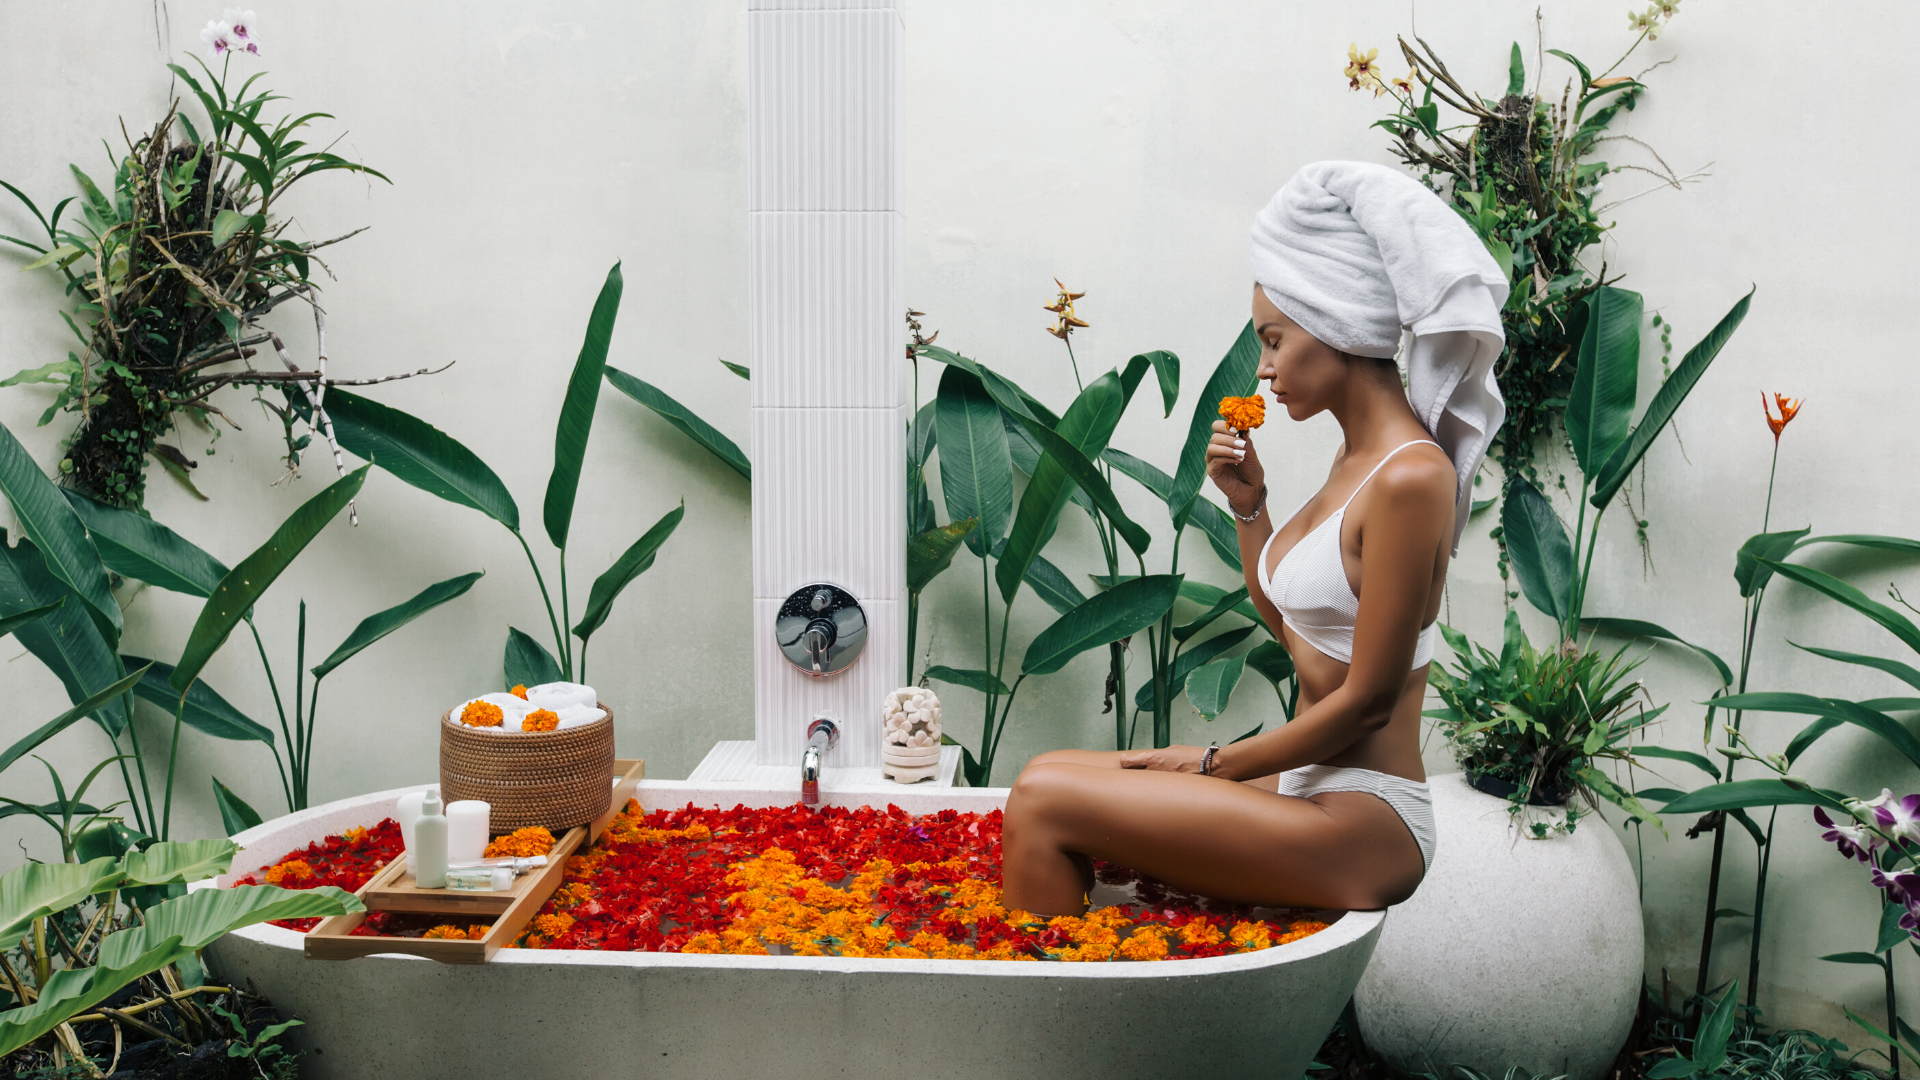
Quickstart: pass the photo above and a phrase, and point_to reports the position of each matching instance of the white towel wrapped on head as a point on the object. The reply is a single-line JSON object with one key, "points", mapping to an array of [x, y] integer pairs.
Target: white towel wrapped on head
{"points": [[1357, 253]]}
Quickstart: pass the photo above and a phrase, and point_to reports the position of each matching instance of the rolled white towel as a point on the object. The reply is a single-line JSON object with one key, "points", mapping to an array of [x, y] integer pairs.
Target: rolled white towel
{"points": [[576, 715], [512, 709], [559, 695]]}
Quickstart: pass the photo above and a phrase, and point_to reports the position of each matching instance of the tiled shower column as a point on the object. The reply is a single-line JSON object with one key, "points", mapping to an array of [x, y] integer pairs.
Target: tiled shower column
{"points": [[827, 343]]}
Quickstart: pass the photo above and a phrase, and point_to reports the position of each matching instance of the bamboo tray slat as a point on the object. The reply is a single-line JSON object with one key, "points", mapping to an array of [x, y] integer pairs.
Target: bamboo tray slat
{"points": [[392, 889]]}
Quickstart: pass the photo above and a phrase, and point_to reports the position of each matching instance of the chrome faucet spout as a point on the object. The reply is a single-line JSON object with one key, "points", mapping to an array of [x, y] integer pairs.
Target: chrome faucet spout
{"points": [[822, 735]]}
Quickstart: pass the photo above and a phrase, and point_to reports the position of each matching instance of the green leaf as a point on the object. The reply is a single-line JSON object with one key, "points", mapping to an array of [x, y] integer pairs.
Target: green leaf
{"points": [[527, 662], [633, 562], [1054, 587], [379, 625], [576, 414], [1868, 540], [682, 418], [58, 533], [11, 623], [1808, 736], [173, 931], [1749, 571], [1851, 712], [925, 435], [139, 547], [1901, 627], [1232, 377], [984, 681], [225, 224], [1272, 661], [181, 862], [1166, 367], [1119, 612], [1257, 728], [246, 583], [235, 815], [1538, 546], [1010, 397], [1603, 785], [1220, 607], [62, 254], [738, 369], [1891, 932], [975, 773], [1698, 761], [1665, 403], [66, 639], [1740, 794], [1516, 73], [65, 720], [1874, 1031], [58, 372], [1211, 686], [1638, 628], [38, 889], [206, 711], [1904, 672], [976, 469], [419, 454], [1710, 1045], [1190, 660], [1672, 1069], [930, 553], [1600, 405], [1221, 534]]}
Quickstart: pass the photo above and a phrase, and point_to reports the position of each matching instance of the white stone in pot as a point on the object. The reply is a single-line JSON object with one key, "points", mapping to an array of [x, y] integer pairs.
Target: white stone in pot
{"points": [[1513, 951], [910, 743]]}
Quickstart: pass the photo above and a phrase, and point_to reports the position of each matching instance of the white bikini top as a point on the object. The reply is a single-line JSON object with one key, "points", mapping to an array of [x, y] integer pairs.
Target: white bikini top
{"points": [[1311, 590]]}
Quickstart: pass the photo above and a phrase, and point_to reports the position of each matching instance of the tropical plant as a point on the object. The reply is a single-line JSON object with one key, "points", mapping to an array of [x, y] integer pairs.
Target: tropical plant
{"points": [[99, 927], [433, 461], [1524, 172], [171, 267], [1534, 726]]}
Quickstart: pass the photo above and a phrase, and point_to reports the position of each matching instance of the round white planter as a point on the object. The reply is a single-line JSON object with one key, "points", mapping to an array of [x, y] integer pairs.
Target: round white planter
{"points": [[1513, 951]]}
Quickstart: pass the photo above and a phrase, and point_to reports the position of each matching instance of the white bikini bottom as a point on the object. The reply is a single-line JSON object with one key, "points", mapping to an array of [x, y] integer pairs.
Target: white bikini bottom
{"points": [[1409, 798]]}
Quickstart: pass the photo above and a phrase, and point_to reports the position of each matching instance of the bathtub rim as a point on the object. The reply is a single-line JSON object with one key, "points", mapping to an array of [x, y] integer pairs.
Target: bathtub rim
{"points": [[1349, 928]]}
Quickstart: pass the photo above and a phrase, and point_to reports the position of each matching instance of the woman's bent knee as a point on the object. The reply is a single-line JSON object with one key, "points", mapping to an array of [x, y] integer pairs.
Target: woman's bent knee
{"points": [[1041, 786]]}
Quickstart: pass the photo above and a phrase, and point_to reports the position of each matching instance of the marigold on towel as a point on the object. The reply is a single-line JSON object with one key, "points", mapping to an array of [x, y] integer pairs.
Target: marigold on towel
{"points": [[540, 720], [1244, 413], [482, 714]]}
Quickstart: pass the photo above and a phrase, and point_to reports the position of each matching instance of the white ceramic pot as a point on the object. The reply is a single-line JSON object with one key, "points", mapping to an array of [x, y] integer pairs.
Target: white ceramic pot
{"points": [[1513, 952]]}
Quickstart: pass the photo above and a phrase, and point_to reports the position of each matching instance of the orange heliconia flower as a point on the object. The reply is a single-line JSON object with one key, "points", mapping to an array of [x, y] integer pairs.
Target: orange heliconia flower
{"points": [[1789, 408], [1063, 307], [1244, 413]]}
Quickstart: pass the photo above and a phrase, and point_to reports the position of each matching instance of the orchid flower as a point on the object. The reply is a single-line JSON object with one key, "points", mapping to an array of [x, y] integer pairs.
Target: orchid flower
{"points": [[218, 37], [243, 33], [1854, 841], [1900, 817], [1901, 886]]}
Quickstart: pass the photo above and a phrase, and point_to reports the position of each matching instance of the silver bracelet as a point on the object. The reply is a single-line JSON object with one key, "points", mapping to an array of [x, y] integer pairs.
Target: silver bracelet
{"points": [[1206, 763], [1257, 507]]}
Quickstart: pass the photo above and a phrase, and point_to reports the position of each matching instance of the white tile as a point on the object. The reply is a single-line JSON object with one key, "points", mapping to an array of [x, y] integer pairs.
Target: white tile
{"points": [[785, 699], [821, 5], [823, 114], [827, 312], [829, 501]]}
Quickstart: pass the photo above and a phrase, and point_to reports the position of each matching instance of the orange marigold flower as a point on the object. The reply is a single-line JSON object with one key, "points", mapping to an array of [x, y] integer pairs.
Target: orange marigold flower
{"points": [[478, 931], [1201, 932], [482, 714], [1146, 943], [354, 835], [1244, 413], [552, 926], [521, 844], [519, 691], [296, 869], [540, 720], [446, 933], [1789, 408], [703, 943], [1251, 936]]}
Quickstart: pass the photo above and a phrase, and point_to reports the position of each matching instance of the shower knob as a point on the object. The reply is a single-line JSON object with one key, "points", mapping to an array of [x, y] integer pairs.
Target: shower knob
{"points": [[820, 629]]}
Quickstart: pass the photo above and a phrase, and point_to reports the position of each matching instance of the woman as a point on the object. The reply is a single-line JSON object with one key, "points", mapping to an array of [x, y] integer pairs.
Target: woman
{"points": [[1332, 809]]}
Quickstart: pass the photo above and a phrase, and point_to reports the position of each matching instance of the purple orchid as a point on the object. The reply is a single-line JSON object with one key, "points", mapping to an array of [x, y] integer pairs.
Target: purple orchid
{"points": [[1854, 841], [1902, 886], [1901, 816]]}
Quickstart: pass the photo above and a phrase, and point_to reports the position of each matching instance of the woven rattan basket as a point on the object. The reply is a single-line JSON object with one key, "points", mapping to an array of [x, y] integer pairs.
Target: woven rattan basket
{"points": [[558, 779]]}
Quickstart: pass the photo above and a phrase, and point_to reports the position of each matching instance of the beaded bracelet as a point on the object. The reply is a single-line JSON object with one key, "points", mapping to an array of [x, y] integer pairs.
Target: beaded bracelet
{"points": [[1258, 506]]}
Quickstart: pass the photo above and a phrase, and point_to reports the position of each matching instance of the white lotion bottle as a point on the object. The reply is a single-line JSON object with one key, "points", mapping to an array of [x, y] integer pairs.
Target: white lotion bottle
{"points": [[406, 813], [430, 836], [467, 821]]}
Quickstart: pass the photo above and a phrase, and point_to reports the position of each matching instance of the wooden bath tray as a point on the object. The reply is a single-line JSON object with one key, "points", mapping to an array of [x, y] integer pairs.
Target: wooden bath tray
{"points": [[392, 889]]}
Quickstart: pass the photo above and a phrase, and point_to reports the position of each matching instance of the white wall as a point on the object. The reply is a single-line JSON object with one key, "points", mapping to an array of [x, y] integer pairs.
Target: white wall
{"points": [[1121, 145]]}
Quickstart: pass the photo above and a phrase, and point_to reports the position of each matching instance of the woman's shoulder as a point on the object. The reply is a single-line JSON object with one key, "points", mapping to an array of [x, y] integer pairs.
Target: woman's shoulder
{"points": [[1417, 478]]}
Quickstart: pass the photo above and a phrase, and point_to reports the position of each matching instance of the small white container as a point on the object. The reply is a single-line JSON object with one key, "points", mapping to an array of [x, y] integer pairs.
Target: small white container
{"points": [[467, 830], [406, 813], [430, 836]]}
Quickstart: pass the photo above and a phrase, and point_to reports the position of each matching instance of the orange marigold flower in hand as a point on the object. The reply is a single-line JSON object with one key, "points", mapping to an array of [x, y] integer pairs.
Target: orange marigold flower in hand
{"points": [[521, 844], [482, 714], [1789, 408], [540, 720], [519, 691], [1244, 413]]}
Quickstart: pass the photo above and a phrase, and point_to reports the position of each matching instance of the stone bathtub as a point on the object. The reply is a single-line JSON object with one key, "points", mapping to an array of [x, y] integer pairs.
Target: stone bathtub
{"points": [[553, 1013]]}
